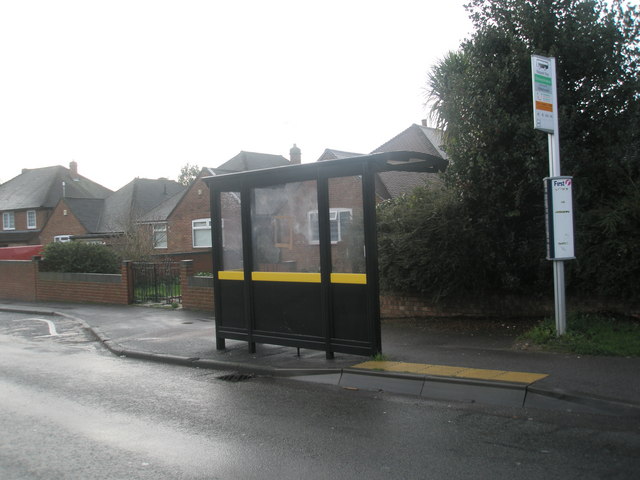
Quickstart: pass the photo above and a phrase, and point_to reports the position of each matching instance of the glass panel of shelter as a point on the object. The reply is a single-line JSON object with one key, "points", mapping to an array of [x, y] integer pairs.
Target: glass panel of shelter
{"points": [[286, 261], [284, 231], [230, 212], [348, 266], [347, 228]]}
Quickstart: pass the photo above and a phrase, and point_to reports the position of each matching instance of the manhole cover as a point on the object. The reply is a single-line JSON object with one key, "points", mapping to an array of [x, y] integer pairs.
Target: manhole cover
{"points": [[236, 377]]}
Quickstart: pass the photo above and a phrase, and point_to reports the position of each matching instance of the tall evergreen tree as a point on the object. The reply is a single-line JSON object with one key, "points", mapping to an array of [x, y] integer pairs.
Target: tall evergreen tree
{"points": [[481, 95]]}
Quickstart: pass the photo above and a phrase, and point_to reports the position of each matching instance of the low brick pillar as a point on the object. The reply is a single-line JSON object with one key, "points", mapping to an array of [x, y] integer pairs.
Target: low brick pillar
{"points": [[197, 292], [127, 280]]}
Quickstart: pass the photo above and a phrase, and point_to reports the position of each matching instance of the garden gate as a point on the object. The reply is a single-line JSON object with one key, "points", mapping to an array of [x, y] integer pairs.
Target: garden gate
{"points": [[156, 282]]}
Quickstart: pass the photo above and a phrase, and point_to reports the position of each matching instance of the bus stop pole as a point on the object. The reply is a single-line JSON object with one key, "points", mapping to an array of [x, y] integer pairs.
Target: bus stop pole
{"points": [[558, 265]]}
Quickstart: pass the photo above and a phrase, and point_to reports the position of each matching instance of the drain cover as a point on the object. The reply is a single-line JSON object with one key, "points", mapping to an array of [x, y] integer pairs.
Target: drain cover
{"points": [[236, 377]]}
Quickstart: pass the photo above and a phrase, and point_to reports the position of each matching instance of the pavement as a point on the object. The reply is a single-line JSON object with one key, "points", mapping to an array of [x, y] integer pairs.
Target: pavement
{"points": [[479, 366]]}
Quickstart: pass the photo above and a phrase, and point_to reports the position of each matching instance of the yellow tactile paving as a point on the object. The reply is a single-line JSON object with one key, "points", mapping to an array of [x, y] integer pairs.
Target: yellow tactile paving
{"points": [[450, 371], [521, 377]]}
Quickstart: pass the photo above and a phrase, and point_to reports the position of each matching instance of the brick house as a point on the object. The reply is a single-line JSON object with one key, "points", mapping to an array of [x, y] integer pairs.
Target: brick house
{"points": [[284, 217], [175, 219], [107, 220], [185, 220], [187, 217], [288, 233], [28, 200], [416, 138]]}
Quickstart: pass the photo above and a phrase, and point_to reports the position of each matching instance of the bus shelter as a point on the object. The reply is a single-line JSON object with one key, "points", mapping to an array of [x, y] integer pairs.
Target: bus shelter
{"points": [[295, 252]]}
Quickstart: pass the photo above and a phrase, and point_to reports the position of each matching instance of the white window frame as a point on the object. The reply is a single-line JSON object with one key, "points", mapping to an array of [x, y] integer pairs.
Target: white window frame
{"points": [[32, 215], [8, 221], [206, 226], [160, 229], [334, 217]]}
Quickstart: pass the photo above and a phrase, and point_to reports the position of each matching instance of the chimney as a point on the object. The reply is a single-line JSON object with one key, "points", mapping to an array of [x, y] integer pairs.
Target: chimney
{"points": [[424, 122], [295, 155], [73, 169]]}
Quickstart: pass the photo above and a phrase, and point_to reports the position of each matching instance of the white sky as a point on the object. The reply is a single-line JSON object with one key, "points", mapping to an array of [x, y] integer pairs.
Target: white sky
{"points": [[138, 88]]}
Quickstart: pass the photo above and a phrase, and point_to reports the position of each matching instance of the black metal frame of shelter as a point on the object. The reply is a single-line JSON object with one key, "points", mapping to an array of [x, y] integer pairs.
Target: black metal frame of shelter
{"points": [[343, 317]]}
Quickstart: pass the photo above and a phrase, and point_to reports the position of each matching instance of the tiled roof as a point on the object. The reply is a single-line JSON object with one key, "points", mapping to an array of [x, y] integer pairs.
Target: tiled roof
{"points": [[251, 161], [88, 211], [331, 154], [416, 138], [43, 187], [162, 211], [134, 201]]}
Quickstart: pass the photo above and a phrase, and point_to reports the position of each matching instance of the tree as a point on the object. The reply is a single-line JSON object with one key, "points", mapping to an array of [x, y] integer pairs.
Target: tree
{"points": [[188, 174], [481, 95]]}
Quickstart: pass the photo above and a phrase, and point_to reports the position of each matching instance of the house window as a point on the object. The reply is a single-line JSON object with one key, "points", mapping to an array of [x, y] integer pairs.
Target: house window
{"points": [[160, 235], [201, 232], [339, 218], [283, 231], [8, 221], [31, 219]]}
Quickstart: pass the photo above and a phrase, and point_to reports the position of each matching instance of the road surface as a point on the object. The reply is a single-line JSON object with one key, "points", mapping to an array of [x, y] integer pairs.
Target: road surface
{"points": [[70, 409]]}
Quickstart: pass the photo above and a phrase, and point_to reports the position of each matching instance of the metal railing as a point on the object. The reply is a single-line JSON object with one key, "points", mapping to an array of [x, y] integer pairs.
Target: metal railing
{"points": [[156, 282]]}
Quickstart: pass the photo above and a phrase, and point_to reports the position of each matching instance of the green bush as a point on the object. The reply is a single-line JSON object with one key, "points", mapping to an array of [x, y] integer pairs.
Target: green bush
{"points": [[432, 244], [79, 257]]}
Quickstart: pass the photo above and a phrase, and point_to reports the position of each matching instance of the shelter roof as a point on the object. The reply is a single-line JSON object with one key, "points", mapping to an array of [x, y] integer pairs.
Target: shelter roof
{"points": [[379, 162]]}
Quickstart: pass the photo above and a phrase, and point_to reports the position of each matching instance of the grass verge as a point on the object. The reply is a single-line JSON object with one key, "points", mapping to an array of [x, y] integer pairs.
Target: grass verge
{"points": [[590, 334]]}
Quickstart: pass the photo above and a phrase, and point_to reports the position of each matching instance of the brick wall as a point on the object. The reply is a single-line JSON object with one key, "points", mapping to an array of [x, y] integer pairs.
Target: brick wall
{"points": [[84, 287], [505, 306], [197, 292], [22, 280], [18, 280]]}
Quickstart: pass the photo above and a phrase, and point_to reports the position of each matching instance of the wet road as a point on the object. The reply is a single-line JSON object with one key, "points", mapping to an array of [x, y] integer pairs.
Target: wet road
{"points": [[69, 409]]}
